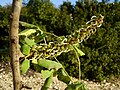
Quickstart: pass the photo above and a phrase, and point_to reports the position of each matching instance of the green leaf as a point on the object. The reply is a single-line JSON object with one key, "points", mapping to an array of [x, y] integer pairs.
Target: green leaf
{"points": [[49, 64], [27, 25], [47, 73], [27, 32], [63, 77], [34, 61], [47, 83], [76, 86], [79, 51], [26, 49], [25, 66], [29, 42]]}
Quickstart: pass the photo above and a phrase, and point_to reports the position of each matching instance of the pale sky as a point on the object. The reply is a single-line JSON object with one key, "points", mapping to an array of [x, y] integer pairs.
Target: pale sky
{"points": [[55, 2]]}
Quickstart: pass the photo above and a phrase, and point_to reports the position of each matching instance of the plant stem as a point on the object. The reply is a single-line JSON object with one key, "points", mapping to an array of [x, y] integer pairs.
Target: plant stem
{"points": [[78, 62], [51, 34], [64, 70]]}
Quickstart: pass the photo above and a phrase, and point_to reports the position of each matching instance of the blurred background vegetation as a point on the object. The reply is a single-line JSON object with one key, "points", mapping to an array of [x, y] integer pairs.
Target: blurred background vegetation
{"points": [[102, 59]]}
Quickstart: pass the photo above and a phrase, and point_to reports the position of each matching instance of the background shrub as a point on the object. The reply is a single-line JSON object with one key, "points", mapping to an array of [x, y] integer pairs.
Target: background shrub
{"points": [[102, 59]]}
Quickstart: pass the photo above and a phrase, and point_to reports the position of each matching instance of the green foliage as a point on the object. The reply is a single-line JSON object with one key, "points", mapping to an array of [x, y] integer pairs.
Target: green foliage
{"points": [[62, 76], [53, 67], [102, 51], [49, 64], [27, 25], [47, 73], [27, 32], [29, 42], [25, 66], [4, 27], [26, 49], [79, 51], [47, 83]]}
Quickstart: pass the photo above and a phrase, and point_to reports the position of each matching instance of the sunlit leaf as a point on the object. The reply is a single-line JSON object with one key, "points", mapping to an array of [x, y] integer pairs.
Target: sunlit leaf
{"points": [[46, 73], [27, 32], [25, 66], [27, 24], [49, 64], [79, 51], [26, 49], [34, 61], [47, 83], [29, 42]]}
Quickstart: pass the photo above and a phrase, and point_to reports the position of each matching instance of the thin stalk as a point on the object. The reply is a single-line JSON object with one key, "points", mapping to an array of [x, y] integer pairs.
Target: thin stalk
{"points": [[47, 32], [50, 34], [78, 62], [64, 70]]}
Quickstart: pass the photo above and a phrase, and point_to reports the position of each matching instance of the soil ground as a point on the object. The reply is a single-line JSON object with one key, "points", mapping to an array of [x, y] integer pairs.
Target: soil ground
{"points": [[35, 81]]}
